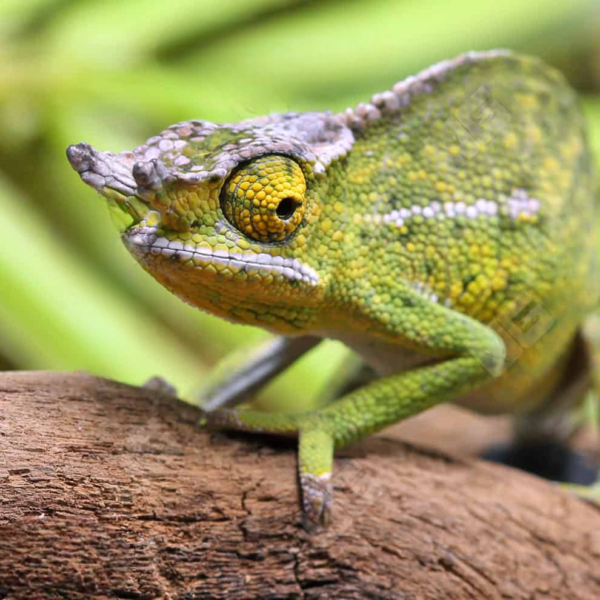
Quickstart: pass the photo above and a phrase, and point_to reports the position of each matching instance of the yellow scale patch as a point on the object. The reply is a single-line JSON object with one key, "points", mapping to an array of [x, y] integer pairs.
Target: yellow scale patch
{"points": [[266, 198]]}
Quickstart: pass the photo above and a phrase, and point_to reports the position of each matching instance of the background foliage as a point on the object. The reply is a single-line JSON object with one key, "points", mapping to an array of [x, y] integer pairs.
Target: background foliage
{"points": [[114, 72]]}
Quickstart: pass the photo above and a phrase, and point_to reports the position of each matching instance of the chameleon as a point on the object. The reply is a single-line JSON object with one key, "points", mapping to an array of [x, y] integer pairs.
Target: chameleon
{"points": [[444, 231]]}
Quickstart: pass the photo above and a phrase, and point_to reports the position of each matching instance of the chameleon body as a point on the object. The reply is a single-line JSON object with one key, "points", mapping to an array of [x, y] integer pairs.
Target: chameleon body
{"points": [[444, 230]]}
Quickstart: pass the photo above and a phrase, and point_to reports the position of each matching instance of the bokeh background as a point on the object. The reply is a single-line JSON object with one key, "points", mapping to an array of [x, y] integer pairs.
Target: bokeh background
{"points": [[114, 72]]}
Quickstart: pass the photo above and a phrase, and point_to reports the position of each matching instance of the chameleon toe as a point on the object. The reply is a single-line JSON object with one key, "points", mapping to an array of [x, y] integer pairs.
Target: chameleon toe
{"points": [[317, 501]]}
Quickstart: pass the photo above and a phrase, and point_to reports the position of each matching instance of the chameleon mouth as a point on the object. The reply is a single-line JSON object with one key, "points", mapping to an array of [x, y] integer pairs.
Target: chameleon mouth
{"points": [[145, 240]]}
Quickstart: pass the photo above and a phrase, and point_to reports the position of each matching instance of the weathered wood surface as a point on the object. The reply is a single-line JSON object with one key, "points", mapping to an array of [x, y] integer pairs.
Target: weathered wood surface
{"points": [[110, 491]]}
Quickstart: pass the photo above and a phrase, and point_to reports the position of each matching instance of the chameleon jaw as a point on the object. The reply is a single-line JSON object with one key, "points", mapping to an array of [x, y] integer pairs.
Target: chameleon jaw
{"points": [[145, 241]]}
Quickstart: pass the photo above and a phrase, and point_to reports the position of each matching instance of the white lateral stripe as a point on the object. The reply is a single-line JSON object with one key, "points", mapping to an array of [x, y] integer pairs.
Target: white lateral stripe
{"points": [[519, 204]]}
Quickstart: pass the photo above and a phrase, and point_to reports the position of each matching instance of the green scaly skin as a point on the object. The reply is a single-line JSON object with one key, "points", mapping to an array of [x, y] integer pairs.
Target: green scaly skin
{"points": [[444, 231]]}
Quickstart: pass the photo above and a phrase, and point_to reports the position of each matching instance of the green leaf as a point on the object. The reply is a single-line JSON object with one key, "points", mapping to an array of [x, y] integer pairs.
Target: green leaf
{"points": [[314, 56], [592, 111], [15, 14], [117, 33]]}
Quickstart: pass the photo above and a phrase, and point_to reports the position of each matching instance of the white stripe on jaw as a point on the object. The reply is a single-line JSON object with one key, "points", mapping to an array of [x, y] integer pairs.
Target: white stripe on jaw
{"points": [[518, 205], [145, 239]]}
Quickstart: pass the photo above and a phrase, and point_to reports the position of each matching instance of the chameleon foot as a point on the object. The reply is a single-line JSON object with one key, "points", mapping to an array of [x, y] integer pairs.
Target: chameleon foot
{"points": [[315, 453], [162, 386], [315, 458]]}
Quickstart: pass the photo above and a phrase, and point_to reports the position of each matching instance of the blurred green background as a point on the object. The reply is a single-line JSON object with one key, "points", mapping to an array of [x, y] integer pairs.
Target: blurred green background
{"points": [[114, 72]]}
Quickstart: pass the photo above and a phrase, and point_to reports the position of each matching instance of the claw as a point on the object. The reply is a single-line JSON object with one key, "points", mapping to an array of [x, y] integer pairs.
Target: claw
{"points": [[317, 501]]}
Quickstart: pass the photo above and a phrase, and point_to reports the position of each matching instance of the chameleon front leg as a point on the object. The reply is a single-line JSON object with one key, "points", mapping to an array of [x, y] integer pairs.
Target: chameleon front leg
{"points": [[476, 354], [242, 373]]}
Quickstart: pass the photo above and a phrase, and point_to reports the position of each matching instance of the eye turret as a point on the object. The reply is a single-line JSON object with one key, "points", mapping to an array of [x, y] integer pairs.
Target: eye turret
{"points": [[266, 198]]}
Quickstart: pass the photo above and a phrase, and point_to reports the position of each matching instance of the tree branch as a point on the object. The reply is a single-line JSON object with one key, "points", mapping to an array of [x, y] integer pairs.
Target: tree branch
{"points": [[110, 491]]}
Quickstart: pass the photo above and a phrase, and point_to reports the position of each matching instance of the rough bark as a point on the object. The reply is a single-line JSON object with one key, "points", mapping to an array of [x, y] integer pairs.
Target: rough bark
{"points": [[110, 491]]}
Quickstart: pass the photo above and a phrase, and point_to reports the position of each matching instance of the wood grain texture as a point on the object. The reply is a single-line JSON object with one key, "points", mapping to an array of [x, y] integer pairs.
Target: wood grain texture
{"points": [[110, 491]]}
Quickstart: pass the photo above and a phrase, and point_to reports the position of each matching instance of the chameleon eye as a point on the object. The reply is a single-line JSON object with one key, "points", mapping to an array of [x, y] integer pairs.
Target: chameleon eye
{"points": [[265, 199]]}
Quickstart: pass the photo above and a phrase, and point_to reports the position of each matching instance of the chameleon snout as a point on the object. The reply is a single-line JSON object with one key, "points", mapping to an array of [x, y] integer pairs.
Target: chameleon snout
{"points": [[117, 177], [104, 170]]}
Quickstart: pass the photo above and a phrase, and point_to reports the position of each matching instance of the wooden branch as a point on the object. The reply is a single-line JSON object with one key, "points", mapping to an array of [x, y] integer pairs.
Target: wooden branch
{"points": [[110, 491]]}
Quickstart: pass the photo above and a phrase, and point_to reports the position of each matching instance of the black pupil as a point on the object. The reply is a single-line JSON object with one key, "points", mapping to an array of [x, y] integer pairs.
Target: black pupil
{"points": [[286, 208]]}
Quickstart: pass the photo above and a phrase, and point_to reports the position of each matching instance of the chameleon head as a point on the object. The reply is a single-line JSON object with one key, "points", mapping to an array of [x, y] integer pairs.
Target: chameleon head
{"points": [[226, 216]]}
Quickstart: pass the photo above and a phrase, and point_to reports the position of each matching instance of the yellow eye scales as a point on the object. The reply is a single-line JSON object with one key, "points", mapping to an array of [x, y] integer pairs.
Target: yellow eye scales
{"points": [[265, 199], [448, 222]]}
